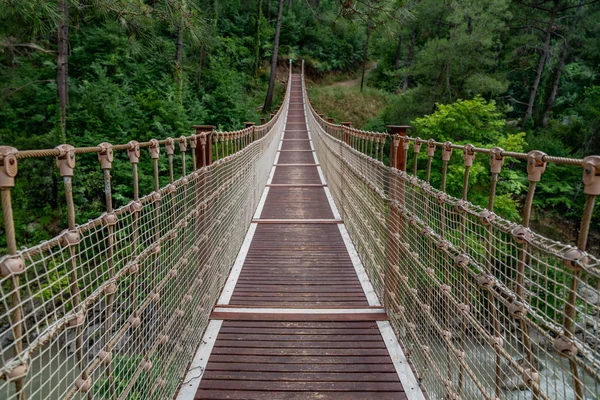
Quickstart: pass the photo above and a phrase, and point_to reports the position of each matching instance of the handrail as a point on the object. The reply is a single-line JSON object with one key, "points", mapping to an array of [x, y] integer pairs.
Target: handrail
{"points": [[483, 305], [129, 292]]}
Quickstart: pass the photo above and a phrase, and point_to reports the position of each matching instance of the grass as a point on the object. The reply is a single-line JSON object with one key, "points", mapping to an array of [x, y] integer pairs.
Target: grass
{"points": [[344, 102]]}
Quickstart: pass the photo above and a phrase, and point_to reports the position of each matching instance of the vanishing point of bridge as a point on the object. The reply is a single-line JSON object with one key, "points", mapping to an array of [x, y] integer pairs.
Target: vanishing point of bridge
{"points": [[298, 259]]}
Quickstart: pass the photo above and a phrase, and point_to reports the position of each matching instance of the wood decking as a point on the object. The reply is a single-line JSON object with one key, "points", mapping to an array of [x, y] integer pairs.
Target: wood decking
{"points": [[298, 324]]}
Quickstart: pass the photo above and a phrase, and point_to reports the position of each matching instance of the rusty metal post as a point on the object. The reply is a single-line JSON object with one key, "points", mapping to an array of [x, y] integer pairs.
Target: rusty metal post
{"points": [[263, 121], [486, 282], [204, 151], [330, 120], [106, 158], [12, 265], [397, 153], [65, 162], [154, 154], [462, 261], [575, 260], [346, 133], [252, 125], [430, 154], [133, 152]]}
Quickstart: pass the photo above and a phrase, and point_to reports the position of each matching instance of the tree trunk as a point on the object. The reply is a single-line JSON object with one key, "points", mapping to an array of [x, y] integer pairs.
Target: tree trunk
{"points": [[555, 83], [257, 38], [411, 54], [541, 63], [564, 51], [62, 66], [365, 54], [269, 98], [201, 64], [290, 5], [179, 63], [398, 53], [268, 10]]}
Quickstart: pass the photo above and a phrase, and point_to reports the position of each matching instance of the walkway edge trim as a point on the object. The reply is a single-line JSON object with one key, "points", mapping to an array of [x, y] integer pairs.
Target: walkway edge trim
{"points": [[405, 374], [189, 386], [236, 270]]}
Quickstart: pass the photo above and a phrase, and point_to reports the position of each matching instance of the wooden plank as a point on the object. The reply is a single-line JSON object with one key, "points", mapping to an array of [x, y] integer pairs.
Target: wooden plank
{"points": [[292, 395], [303, 376], [302, 386], [283, 368], [228, 316], [296, 221]]}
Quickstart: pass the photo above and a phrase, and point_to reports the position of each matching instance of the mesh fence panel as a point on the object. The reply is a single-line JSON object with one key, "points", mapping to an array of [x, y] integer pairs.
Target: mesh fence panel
{"points": [[483, 308], [117, 307]]}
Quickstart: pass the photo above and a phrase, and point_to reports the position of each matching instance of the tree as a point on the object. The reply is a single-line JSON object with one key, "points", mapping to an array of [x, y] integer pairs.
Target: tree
{"points": [[269, 98]]}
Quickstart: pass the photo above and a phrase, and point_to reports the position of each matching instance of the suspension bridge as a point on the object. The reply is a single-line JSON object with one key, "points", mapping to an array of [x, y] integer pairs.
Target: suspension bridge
{"points": [[291, 262]]}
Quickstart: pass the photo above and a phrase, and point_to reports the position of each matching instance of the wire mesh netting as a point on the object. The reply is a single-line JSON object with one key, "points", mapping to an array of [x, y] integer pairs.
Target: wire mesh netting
{"points": [[117, 307], [484, 307]]}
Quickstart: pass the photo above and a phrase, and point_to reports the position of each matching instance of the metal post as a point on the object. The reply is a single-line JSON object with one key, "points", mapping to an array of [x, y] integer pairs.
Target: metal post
{"points": [[397, 153], [204, 152], [13, 265]]}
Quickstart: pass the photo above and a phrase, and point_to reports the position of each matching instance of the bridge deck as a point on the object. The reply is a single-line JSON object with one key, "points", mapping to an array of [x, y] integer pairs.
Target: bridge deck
{"points": [[296, 322]]}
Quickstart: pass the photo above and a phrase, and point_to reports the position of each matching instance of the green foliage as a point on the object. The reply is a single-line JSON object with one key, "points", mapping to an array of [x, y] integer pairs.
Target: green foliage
{"points": [[475, 120]]}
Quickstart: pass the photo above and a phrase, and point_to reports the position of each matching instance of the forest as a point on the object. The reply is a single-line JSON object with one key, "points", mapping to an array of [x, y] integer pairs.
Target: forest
{"points": [[522, 74]]}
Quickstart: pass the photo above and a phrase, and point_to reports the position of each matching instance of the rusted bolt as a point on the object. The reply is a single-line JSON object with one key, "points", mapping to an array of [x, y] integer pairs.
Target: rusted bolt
{"points": [[469, 155], [521, 234], [65, 161], [565, 347], [461, 260], [487, 217], [154, 149], [162, 339], [446, 151], [496, 341], [464, 308], [417, 145], [18, 372], [70, 238], [517, 309], [12, 265], [9, 166], [133, 152], [486, 281], [134, 321], [430, 148], [76, 320], [155, 297], [109, 219], [170, 146], [133, 268], [83, 385], [135, 206], [105, 357], [182, 144], [575, 259], [111, 288], [535, 165], [591, 175], [146, 365], [461, 206], [106, 155], [496, 160], [530, 376]]}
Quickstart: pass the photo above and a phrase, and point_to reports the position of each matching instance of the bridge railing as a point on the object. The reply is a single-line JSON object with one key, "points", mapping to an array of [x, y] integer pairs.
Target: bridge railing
{"points": [[484, 307], [116, 307]]}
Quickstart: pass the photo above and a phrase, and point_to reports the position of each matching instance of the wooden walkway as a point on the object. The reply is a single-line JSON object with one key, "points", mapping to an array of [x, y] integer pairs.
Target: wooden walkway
{"points": [[296, 322]]}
